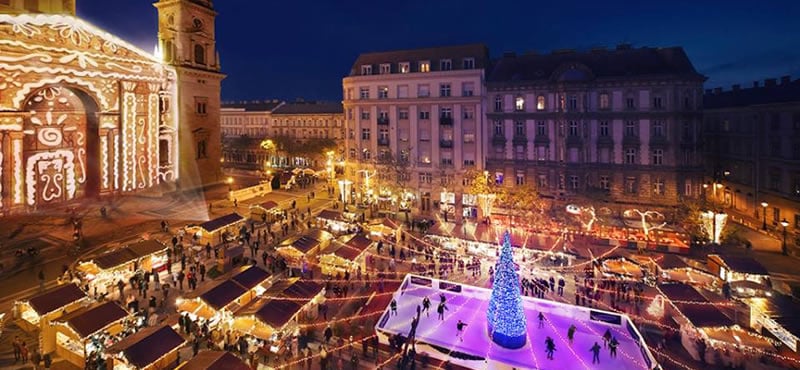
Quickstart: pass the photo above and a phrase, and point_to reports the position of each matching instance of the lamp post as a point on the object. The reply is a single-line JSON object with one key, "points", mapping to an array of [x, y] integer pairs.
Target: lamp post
{"points": [[229, 181], [784, 223], [764, 225]]}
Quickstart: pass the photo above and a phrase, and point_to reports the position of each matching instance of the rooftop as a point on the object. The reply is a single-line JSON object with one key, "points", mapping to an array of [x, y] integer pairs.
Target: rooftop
{"points": [[456, 54], [253, 105], [308, 108], [771, 92]]}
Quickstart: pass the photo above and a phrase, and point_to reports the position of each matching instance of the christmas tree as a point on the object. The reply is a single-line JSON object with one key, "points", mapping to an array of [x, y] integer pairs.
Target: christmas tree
{"points": [[505, 315]]}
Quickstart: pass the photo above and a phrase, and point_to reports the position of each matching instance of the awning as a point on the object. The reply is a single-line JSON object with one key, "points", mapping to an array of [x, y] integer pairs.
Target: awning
{"points": [[56, 298], [148, 345], [88, 321], [221, 222]]}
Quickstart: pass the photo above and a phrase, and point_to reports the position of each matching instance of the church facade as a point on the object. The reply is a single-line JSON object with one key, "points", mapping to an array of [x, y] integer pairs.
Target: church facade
{"points": [[83, 113]]}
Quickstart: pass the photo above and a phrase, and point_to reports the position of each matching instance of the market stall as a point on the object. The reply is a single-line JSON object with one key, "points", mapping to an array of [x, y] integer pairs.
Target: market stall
{"points": [[347, 256], [298, 249], [44, 307], [621, 267], [218, 230], [384, 228], [778, 315], [149, 349], [104, 271], [214, 360], [88, 330], [735, 268], [268, 211]]}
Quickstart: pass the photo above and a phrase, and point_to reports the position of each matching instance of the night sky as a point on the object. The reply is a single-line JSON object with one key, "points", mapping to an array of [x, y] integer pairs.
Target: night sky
{"points": [[303, 48]]}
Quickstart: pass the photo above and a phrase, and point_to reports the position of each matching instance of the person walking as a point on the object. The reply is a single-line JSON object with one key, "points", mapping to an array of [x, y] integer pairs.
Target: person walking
{"points": [[550, 347], [442, 307], [460, 330], [17, 349], [541, 320], [328, 334], [612, 347], [394, 307], [595, 353], [571, 333]]}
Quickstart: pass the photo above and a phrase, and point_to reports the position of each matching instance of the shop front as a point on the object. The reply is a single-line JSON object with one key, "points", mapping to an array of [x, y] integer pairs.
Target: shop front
{"points": [[337, 222], [88, 331], [34, 313], [104, 271], [149, 349]]}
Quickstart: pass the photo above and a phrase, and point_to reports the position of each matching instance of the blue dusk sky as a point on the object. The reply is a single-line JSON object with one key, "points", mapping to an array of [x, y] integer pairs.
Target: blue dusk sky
{"points": [[303, 48]]}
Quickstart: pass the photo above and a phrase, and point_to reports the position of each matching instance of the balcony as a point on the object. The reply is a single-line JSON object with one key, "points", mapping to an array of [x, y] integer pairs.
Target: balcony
{"points": [[445, 143], [498, 140], [446, 120], [383, 141], [383, 120], [520, 140]]}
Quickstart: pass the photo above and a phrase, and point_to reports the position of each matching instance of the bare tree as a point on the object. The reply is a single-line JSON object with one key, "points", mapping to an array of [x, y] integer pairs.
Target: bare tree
{"points": [[650, 220]]}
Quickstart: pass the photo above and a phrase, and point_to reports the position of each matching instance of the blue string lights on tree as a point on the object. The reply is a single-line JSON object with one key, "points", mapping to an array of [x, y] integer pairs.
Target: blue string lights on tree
{"points": [[505, 316]]}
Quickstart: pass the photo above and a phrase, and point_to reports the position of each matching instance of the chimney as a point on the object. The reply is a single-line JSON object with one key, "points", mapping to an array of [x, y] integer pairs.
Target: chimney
{"points": [[755, 84], [770, 82], [717, 90], [509, 54], [736, 87], [785, 80]]}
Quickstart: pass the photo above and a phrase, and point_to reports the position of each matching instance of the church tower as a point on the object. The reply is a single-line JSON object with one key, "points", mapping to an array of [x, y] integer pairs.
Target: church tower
{"points": [[186, 35]]}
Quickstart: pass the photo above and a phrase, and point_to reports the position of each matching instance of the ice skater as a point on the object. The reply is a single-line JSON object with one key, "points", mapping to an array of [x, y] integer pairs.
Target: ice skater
{"points": [[442, 307], [595, 353], [460, 329], [571, 333], [394, 307], [606, 337], [612, 347], [541, 320], [426, 306], [550, 347]]}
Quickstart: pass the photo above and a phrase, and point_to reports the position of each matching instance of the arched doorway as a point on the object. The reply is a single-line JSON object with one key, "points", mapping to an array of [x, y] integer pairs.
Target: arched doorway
{"points": [[61, 148]]}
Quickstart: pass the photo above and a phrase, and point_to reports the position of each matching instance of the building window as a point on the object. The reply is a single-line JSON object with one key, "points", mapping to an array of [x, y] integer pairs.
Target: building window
{"points": [[630, 103], [498, 103], [630, 185], [775, 180], [467, 89], [542, 182], [402, 91], [365, 134], [386, 69], [402, 113], [364, 114], [363, 93], [519, 180], [630, 156], [498, 128], [605, 103], [469, 137], [423, 91], [469, 63], [604, 129], [383, 92], [425, 66], [201, 107], [658, 186], [605, 183], [519, 129], [572, 102], [573, 182], [469, 113], [658, 102], [444, 90], [366, 155], [404, 67], [445, 64], [658, 129], [573, 128], [423, 114], [425, 177], [540, 102], [199, 54], [631, 129], [446, 112], [541, 129], [519, 104], [658, 157], [469, 162], [366, 70]]}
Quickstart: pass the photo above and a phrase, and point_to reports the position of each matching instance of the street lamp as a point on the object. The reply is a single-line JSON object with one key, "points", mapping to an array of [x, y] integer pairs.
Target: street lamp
{"points": [[764, 225], [229, 181], [784, 223]]}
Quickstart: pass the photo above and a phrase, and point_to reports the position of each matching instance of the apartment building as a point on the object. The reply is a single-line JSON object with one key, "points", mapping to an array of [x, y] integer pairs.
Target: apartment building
{"points": [[244, 125], [421, 110]]}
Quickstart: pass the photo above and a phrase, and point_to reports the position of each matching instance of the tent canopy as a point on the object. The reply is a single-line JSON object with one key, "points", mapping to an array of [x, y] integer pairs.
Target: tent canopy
{"points": [[148, 345], [56, 298], [696, 307], [88, 321]]}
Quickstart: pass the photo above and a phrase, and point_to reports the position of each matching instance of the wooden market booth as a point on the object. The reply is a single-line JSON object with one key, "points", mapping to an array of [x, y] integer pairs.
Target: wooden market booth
{"points": [[296, 249], [336, 221], [385, 228], [214, 231], [105, 270], [76, 334], [217, 303], [347, 257], [37, 312], [268, 211], [149, 349], [736, 268], [214, 360]]}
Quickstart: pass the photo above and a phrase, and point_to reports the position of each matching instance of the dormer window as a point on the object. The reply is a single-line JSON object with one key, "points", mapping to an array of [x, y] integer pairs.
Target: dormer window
{"points": [[366, 70], [425, 66], [386, 69], [404, 67], [445, 64], [469, 63]]}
